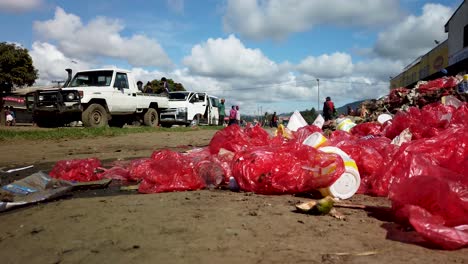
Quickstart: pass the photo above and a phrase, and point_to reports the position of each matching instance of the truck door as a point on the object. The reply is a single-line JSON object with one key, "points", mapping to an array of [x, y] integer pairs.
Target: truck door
{"points": [[214, 111], [123, 101]]}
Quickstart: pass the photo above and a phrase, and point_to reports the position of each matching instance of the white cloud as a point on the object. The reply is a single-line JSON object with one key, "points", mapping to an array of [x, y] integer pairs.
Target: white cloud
{"points": [[51, 63], [415, 35], [379, 68], [229, 58], [101, 37], [259, 19], [327, 66], [176, 6], [19, 6]]}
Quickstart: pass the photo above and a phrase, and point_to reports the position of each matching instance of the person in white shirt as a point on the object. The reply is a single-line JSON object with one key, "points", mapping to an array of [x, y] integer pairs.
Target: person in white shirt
{"points": [[238, 115]]}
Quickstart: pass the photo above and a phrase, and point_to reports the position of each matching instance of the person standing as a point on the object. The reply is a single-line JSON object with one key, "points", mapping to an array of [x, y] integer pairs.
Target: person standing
{"points": [[274, 120], [222, 112], [165, 85], [13, 115], [238, 120], [328, 109], [232, 115]]}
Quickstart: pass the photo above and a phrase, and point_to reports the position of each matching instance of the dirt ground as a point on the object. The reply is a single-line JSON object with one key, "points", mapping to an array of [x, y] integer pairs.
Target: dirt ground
{"points": [[217, 226]]}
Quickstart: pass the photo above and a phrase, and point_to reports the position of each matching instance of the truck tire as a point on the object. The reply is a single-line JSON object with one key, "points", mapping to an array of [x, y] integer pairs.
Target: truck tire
{"points": [[151, 118], [94, 116]]}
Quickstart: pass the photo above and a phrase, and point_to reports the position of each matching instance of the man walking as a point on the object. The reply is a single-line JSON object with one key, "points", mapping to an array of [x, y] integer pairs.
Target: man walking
{"points": [[222, 112]]}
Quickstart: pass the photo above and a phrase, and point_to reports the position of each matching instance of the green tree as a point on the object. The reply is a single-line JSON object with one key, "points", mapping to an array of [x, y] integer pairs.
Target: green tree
{"points": [[16, 67], [309, 115], [157, 86]]}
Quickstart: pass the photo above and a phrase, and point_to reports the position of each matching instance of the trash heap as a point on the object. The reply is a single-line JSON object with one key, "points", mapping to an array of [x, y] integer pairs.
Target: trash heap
{"points": [[424, 92], [418, 159]]}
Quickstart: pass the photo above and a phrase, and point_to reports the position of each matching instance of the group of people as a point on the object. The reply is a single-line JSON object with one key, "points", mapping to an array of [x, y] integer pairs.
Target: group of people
{"points": [[164, 83], [10, 115], [234, 115]]}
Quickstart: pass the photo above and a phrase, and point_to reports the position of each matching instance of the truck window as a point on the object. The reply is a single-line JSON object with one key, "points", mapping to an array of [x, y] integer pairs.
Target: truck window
{"points": [[121, 80], [94, 78], [201, 97], [214, 101]]}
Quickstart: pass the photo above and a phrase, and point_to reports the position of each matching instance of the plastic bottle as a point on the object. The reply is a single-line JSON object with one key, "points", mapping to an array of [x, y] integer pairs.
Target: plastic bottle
{"points": [[463, 85]]}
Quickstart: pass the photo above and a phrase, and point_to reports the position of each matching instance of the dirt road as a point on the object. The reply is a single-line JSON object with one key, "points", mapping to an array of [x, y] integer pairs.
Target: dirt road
{"points": [[190, 227]]}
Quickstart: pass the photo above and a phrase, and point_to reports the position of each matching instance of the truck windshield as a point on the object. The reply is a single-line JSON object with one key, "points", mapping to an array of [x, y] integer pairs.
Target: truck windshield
{"points": [[178, 96], [94, 78]]}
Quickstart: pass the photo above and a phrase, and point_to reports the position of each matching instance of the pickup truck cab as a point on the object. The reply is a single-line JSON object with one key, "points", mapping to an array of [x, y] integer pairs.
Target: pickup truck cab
{"points": [[190, 108], [98, 98]]}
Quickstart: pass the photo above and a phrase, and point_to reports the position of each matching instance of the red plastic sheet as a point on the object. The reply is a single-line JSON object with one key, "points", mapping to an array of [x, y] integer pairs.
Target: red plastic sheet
{"points": [[437, 84], [82, 170], [233, 138], [169, 171], [437, 208], [288, 168], [366, 129]]}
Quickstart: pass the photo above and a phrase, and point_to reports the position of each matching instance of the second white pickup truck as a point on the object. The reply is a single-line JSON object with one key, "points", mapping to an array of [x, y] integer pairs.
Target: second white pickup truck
{"points": [[190, 108], [98, 98]]}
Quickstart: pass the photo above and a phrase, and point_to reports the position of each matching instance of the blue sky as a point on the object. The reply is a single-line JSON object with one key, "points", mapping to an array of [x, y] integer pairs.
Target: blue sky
{"points": [[254, 53]]}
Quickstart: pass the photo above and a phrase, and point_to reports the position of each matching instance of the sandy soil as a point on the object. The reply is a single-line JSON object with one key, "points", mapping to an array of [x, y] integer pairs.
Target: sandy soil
{"points": [[108, 226]]}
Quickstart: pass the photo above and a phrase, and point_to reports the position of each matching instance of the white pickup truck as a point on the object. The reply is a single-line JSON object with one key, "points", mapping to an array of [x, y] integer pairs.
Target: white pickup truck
{"points": [[98, 98], [190, 108]]}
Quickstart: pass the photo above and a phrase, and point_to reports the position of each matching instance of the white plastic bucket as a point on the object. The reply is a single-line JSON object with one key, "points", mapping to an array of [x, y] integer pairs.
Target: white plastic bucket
{"points": [[384, 118], [315, 140], [345, 125], [348, 183]]}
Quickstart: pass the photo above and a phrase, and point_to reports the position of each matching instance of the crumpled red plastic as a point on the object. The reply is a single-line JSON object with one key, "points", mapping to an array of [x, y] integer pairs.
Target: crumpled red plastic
{"points": [[436, 206], [116, 173], [366, 129], [283, 169], [234, 139], [437, 84], [82, 170], [169, 171]]}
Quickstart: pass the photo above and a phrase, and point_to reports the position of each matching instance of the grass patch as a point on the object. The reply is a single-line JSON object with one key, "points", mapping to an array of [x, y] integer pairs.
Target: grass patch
{"points": [[80, 132]]}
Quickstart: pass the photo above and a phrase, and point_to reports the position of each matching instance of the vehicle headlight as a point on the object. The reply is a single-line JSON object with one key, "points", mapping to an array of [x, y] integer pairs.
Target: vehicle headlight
{"points": [[182, 109], [70, 96], [41, 98]]}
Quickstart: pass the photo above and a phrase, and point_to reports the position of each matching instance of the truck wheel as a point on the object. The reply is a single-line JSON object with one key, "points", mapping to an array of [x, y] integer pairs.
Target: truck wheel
{"points": [[151, 118], [94, 116]]}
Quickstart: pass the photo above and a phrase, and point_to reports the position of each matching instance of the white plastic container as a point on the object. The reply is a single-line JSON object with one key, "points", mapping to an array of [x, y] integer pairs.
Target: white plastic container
{"points": [[296, 121], [384, 118], [315, 140], [319, 121], [348, 183], [345, 124]]}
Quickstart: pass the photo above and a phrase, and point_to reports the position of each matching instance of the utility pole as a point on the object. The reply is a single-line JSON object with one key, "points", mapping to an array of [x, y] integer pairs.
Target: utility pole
{"points": [[318, 94]]}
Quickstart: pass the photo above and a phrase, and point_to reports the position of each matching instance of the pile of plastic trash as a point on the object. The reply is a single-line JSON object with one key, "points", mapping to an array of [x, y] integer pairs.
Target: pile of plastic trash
{"points": [[417, 158]]}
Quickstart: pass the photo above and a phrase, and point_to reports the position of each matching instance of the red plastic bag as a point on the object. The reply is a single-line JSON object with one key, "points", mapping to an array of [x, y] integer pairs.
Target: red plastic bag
{"points": [[436, 207], [365, 129], [116, 173], [169, 171], [444, 154], [234, 139], [82, 170], [302, 133], [287, 168]]}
